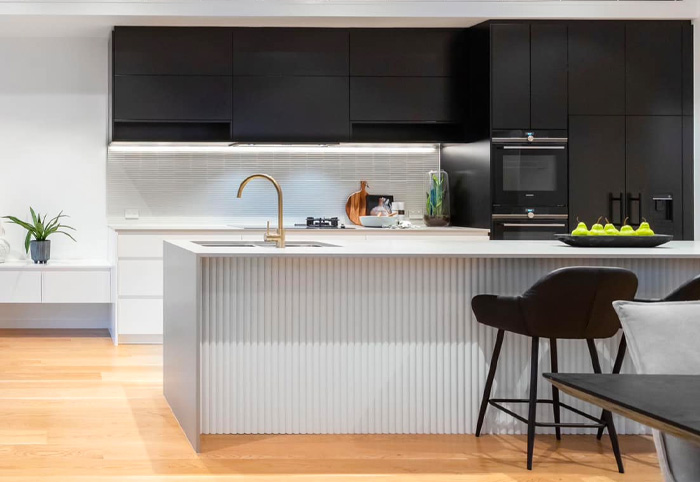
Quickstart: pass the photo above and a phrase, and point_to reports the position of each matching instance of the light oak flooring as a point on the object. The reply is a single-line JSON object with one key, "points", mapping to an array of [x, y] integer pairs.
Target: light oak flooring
{"points": [[75, 408]]}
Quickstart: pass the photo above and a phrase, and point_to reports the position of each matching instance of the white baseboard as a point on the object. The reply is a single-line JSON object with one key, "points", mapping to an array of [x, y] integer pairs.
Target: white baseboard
{"points": [[140, 339], [55, 316]]}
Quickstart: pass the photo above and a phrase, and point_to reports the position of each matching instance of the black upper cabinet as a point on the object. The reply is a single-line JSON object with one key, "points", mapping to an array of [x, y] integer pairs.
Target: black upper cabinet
{"points": [[597, 68], [172, 51], [510, 76], [152, 97], [404, 52], [654, 68], [548, 91], [655, 170], [687, 69], [297, 109], [596, 168], [402, 99], [290, 51]]}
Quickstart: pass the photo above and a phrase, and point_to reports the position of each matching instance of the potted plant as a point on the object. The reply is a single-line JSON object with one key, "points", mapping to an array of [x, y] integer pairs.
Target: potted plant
{"points": [[437, 200], [40, 229]]}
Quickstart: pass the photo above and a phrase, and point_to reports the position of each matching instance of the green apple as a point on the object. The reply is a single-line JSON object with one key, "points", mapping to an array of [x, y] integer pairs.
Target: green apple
{"points": [[581, 230], [610, 229], [644, 229]]}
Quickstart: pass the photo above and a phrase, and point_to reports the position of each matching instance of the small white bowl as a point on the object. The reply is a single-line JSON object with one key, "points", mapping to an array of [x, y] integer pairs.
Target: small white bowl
{"points": [[378, 221]]}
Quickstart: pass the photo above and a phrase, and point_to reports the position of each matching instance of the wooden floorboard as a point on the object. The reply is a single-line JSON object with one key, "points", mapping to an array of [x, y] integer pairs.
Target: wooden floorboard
{"points": [[73, 407]]}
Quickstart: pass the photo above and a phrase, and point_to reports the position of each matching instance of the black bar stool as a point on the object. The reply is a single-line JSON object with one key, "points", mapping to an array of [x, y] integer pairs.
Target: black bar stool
{"points": [[688, 291], [569, 303]]}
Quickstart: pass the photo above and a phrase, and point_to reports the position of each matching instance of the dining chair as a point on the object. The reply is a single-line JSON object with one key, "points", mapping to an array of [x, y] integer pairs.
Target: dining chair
{"points": [[662, 338]]}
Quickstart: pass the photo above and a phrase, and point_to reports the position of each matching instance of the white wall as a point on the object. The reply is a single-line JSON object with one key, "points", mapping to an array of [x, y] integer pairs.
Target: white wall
{"points": [[53, 137]]}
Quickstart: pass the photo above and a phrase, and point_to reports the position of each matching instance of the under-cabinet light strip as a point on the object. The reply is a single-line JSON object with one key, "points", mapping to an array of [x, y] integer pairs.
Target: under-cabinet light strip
{"points": [[284, 148]]}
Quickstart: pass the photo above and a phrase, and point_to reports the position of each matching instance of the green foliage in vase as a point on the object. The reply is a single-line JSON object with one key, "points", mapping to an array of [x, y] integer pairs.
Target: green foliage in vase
{"points": [[40, 229], [435, 196]]}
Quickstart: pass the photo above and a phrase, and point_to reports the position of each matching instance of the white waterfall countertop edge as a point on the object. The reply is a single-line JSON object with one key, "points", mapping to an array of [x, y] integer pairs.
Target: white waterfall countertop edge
{"points": [[444, 247]]}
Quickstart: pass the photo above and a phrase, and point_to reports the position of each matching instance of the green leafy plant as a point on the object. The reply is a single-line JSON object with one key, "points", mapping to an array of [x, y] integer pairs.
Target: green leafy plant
{"points": [[435, 196], [40, 229]]}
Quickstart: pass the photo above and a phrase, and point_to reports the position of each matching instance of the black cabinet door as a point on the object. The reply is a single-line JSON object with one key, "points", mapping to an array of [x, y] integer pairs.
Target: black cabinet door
{"points": [[596, 168], [654, 169], [548, 90], [654, 68], [172, 51], [152, 97], [404, 52], [596, 68], [687, 68], [408, 99], [688, 169], [290, 51], [297, 109], [510, 76]]}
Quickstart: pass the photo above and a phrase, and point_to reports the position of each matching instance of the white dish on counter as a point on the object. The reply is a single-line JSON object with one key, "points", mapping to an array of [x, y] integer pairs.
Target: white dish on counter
{"points": [[378, 221]]}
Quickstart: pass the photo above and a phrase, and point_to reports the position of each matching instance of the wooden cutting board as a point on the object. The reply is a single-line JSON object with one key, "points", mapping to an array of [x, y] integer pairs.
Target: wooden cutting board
{"points": [[357, 204]]}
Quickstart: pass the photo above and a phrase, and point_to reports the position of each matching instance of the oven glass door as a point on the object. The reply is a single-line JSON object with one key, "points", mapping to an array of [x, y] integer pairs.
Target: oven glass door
{"points": [[530, 175], [523, 230]]}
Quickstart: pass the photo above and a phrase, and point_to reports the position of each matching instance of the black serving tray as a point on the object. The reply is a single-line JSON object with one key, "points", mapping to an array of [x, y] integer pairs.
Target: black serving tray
{"points": [[614, 241]]}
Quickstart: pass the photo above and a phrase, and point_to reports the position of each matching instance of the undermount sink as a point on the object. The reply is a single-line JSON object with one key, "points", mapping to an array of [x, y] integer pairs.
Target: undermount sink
{"points": [[262, 244]]}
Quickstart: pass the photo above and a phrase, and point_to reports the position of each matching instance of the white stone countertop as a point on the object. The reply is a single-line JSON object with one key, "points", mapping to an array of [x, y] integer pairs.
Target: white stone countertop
{"points": [[442, 246], [350, 230], [57, 265]]}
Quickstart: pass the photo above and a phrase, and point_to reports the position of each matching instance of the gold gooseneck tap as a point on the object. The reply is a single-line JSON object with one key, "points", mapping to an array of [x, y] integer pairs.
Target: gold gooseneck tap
{"points": [[277, 237]]}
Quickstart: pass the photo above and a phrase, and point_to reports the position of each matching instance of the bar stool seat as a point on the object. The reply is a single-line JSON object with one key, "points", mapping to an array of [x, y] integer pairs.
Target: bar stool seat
{"points": [[568, 303]]}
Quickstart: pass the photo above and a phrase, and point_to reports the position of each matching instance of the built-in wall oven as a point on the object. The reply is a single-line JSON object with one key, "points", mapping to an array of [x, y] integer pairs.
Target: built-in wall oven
{"points": [[529, 224], [529, 184]]}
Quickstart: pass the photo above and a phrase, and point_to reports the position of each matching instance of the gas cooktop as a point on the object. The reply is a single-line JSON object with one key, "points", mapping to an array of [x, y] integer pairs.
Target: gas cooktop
{"points": [[322, 223]]}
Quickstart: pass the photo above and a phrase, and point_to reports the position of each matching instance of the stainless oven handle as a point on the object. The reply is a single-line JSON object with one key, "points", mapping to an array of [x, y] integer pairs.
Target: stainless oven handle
{"points": [[525, 216], [504, 140], [528, 225], [534, 147]]}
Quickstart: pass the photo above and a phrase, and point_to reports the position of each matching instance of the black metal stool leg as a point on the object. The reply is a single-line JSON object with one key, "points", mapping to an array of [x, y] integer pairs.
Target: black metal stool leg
{"points": [[555, 390], [616, 369], [607, 416], [532, 412], [489, 381]]}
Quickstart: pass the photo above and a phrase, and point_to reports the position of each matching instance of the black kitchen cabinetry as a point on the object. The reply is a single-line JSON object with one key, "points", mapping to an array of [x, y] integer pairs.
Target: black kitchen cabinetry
{"points": [[290, 109], [632, 80], [654, 68], [407, 84], [510, 76], [405, 52], [597, 68], [655, 170], [171, 51], [290, 51], [528, 75], [596, 168], [409, 99], [288, 84], [174, 98]]}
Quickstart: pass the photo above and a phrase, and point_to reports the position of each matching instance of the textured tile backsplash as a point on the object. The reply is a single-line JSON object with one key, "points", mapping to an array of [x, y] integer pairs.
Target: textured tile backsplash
{"points": [[204, 184]]}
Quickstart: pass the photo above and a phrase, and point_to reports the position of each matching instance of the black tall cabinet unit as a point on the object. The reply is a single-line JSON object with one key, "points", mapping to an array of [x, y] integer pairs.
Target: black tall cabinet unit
{"points": [[630, 150]]}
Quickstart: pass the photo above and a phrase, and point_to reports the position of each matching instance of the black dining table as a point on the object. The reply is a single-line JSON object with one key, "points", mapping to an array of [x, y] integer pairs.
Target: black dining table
{"points": [[670, 403]]}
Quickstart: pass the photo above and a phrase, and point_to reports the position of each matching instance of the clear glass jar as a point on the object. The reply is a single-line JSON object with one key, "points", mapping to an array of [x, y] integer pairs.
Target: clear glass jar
{"points": [[437, 199]]}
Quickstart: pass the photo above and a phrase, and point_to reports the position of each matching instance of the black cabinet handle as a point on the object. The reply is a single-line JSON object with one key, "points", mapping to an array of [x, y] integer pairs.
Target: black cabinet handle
{"points": [[638, 200], [612, 199]]}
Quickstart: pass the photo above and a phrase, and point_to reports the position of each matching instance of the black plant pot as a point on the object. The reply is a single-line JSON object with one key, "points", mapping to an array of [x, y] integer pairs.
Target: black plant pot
{"points": [[40, 251]]}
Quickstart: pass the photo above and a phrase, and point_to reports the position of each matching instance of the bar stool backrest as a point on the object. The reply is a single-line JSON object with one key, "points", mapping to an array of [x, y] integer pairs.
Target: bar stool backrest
{"points": [[689, 291], [576, 302]]}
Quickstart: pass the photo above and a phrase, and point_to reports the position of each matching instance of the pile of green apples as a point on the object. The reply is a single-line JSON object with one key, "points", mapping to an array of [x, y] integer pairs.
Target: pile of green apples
{"points": [[610, 230]]}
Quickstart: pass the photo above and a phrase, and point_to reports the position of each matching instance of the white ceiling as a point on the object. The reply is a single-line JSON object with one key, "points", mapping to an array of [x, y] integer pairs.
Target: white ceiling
{"points": [[95, 18]]}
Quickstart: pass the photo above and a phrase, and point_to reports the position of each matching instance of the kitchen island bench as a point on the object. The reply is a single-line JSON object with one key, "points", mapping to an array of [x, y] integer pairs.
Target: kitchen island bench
{"points": [[367, 336]]}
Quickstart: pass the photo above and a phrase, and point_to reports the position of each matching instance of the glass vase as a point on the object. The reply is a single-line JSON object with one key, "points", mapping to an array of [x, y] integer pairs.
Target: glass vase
{"points": [[437, 199]]}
